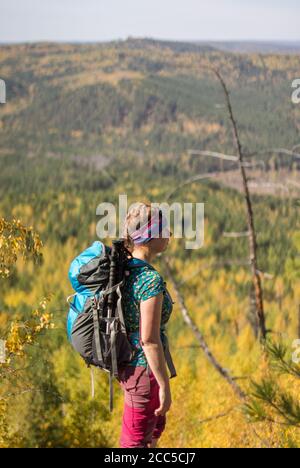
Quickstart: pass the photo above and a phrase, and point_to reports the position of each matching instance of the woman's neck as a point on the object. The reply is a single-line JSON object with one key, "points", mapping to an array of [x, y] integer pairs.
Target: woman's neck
{"points": [[143, 254]]}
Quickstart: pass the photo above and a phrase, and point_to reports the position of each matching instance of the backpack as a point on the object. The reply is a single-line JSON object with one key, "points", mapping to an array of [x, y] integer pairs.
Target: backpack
{"points": [[95, 323]]}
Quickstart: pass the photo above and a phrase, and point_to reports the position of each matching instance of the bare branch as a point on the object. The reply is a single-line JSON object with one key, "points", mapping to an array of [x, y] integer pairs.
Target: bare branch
{"points": [[236, 234], [226, 157], [218, 416], [276, 151], [191, 180], [213, 154], [263, 441], [250, 216], [265, 275]]}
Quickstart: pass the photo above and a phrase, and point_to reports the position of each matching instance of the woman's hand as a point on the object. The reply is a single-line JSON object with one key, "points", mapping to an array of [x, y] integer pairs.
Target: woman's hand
{"points": [[165, 402]]}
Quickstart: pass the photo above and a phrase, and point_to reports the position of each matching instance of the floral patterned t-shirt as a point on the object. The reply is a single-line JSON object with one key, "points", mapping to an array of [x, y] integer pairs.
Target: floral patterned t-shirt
{"points": [[143, 282]]}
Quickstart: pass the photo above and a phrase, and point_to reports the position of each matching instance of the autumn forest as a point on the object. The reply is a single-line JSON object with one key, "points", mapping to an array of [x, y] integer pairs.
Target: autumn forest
{"points": [[159, 121]]}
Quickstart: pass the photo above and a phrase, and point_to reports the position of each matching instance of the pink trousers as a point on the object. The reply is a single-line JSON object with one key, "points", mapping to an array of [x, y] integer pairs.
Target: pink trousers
{"points": [[141, 391]]}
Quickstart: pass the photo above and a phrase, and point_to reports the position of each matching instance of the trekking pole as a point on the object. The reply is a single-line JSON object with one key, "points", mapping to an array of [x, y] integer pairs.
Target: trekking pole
{"points": [[117, 246], [114, 277]]}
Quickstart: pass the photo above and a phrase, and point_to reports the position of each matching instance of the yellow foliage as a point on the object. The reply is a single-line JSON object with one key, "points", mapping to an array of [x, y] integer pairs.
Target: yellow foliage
{"points": [[24, 333], [16, 239]]}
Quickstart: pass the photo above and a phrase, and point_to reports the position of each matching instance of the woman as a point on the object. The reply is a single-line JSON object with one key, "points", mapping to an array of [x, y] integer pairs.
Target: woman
{"points": [[147, 308]]}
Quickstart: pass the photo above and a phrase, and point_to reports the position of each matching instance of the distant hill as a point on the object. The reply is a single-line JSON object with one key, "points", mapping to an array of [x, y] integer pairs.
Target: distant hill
{"points": [[143, 97], [243, 47], [176, 46], [259, 47]]}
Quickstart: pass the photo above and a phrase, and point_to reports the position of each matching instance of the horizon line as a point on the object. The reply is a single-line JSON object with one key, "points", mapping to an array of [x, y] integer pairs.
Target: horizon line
{"points": [[192, 41]]}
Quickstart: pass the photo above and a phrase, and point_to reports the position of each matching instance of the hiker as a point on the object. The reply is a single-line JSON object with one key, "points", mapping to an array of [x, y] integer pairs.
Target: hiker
{"points": [[147, 308]]}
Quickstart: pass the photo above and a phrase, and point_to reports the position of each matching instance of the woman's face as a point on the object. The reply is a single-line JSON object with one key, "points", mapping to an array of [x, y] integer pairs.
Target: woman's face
{"points": [[161, 243]]}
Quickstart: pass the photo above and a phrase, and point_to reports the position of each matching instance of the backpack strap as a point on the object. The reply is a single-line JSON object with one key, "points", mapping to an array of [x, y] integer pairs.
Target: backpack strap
{"points": [[120, 310], [92, 382], [71, 304], [97, 331], [114, 362], [111, 392], [107, 291]]}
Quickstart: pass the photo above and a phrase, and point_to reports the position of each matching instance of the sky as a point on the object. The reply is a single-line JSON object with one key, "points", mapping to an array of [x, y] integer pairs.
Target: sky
{"points": [[104, 20]]}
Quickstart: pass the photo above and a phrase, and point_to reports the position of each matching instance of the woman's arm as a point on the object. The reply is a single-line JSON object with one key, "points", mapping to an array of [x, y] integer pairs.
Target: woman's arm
{"points": [[150, 310]]}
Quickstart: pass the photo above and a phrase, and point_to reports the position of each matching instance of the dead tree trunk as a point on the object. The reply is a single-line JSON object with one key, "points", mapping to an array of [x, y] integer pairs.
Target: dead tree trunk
{"points": [[200, 338], [250, 218]]}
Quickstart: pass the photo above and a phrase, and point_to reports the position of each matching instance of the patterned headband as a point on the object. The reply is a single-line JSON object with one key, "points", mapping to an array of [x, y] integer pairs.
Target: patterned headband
{"points": [[152, 229]]}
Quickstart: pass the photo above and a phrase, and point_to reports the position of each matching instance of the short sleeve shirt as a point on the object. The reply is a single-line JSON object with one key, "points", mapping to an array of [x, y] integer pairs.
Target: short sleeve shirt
{"points": [[143, 282]]}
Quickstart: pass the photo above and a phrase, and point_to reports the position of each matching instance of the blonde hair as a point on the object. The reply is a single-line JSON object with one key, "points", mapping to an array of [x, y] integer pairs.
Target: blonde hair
{"points": [[138, 214]]}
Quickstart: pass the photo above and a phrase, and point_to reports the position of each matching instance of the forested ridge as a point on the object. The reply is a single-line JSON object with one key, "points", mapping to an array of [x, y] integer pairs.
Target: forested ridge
{"points": [[84, 123]]}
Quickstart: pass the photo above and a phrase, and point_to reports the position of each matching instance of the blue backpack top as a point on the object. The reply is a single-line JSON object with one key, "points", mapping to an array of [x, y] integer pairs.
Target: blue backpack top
{"points": [[82, 277]]}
